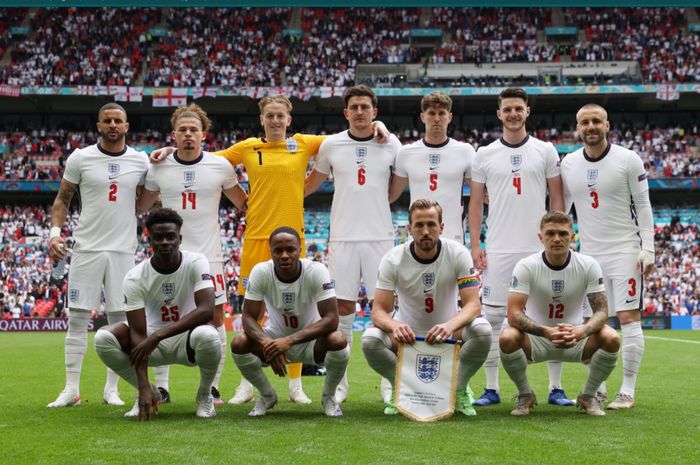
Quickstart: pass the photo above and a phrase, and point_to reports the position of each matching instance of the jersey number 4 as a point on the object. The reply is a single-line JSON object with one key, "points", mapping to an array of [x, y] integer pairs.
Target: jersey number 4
{"points": [[518, 184], [170, 313]]}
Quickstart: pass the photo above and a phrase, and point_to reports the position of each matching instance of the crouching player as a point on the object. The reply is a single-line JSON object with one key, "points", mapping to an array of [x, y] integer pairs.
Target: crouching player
{"points": [[302, 327], [545, 315], [169, 299], [427, 274]]}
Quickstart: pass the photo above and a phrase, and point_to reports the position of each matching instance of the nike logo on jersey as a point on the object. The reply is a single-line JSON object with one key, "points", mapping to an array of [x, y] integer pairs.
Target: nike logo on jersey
{"points": [[187, 186], [591, 185], [216, 296], [515, 171], [113, 177], [629, 301], [257, 148], [433, 168]]}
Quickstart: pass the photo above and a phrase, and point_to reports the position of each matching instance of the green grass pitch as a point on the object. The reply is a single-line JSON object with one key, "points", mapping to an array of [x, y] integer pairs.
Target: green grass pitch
{"points": [[663, 428]]}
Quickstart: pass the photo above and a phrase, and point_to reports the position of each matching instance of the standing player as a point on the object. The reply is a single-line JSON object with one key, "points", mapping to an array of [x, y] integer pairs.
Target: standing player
{"points": [[169, 299], [546, 320], [361, 227], [191, 182], [608, 186], [427, 274], [436, 167], [303, 324], [517, 171], [108, 175]]}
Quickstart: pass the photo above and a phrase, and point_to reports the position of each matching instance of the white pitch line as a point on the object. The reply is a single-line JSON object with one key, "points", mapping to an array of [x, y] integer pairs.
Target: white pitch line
{"points": [[671, 339]]}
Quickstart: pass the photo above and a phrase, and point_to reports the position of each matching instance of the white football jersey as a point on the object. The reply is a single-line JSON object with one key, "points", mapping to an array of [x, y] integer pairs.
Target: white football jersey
{"points": [[166, 297], [601, 190], [107, 184], [361, 170], [290, 306], [427, 291], [193, 189], [556, 294], [516, 181], [438, 172]]}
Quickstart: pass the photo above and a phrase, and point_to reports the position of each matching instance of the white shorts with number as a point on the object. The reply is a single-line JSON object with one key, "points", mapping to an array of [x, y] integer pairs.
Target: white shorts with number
{"points": [[495, 280], [543, 350], [351, 263], [90, 272], [216, 269], [623, 283], [299, 353]]}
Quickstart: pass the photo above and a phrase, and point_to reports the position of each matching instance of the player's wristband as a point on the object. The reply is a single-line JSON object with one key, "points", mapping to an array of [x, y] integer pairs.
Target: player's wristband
{"points": [[54, 232]]}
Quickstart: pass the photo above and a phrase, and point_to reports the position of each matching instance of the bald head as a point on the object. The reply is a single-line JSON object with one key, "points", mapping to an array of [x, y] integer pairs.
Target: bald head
{"points": [[592, 107]]}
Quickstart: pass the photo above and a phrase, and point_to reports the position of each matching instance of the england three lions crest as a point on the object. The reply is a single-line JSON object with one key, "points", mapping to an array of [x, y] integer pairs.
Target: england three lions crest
{"points": [[188, 177], [168, 290], [516, 160], [113, 170], [427, 367], [288, 299], [360, 155], [557, 286], [434, 160], [591, 177], [428, 280]]}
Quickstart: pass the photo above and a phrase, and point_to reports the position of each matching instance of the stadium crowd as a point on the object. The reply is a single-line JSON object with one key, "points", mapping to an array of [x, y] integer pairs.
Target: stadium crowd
{"points": [[40, 154], [199, 47], [27, 289]]}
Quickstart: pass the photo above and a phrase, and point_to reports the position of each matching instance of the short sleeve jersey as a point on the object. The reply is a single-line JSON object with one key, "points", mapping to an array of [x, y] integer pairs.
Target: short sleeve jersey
{"points": [[438, 172], [556, 293], [427, 290], [516, 181], [166, 298], [193, 189], [290, 306], [361, 170], [107, 182], [602, 189], [276, 173]]}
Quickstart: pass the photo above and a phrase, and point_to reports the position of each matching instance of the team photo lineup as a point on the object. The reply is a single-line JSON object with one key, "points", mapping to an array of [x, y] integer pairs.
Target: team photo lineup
{"points": [[159, 311], [390, 216]]}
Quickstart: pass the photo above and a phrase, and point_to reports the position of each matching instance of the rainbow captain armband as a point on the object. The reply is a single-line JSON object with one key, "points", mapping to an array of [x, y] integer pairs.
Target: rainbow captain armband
{"points": [[469, 281]]}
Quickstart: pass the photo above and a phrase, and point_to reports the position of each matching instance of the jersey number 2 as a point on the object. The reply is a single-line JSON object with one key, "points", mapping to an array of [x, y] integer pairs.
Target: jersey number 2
{"points": [[112, 193]]}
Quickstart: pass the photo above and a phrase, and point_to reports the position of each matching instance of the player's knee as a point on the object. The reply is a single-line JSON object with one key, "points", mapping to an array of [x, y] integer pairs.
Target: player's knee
{"points": [[372, 340], [240, 344], [105, 340], [480, 328], [204, 337], [609, 339], [509, 340], [335, 341]]}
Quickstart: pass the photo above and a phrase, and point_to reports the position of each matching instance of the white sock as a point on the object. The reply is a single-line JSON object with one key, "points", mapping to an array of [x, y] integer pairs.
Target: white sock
{"points": [[602, 364], [245, 384], [495, 317], [162, 376], [76, 345], [515, 365], [110, 352], [221, 330], [632, 352], [112, 384], [477, 344], [345, 326], [554, 367], [251, 367], [204, 340], [336, 363], [379, 357]]}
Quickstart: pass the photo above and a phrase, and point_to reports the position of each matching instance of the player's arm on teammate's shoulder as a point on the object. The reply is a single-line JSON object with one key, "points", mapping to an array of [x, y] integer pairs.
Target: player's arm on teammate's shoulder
{"points": [[238, 196], [396, 187], [158, 155], [381, 132], [139, 359], [59, 212], [556, 193], [475, 214], [145, 199], [313, 181]]}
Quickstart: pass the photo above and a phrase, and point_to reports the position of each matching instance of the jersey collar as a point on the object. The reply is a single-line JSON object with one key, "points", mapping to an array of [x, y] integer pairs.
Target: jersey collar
{"points": [[553, 267], [111, 154], [360, 139], [605, 152], [188, 162], [436, 146], [412, 249], [515, 146]]}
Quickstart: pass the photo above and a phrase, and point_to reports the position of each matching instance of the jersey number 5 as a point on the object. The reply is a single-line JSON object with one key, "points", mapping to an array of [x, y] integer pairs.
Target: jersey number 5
{"points": [[433, 181]]}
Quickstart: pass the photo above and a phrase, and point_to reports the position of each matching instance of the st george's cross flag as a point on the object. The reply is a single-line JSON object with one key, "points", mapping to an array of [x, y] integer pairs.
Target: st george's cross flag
{"points": [[426, 380]]}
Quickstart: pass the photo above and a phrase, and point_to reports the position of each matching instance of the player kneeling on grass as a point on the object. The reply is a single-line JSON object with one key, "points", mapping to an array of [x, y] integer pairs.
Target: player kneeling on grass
{"points": [[546, 317], [169, 299], [427, 274], [302, 327]]}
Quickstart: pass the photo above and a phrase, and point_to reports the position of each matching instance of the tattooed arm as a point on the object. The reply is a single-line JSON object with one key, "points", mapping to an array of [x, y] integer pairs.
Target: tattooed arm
{"points": [[518, 319], [59, 212], [599, 305]]}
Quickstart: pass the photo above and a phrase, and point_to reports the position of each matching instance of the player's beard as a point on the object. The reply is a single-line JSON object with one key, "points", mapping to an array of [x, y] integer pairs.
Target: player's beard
{"points": [[594, 139], [107, 137], [426, 244]]}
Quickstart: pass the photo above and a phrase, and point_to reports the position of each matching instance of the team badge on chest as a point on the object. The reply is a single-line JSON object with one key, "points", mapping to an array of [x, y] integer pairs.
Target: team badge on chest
{"points": [[188, 177], [427, 367], [591, 177], [292, 145], [428, 279], [168, 290], [557, 286], [434, 161], [113, 170], [288, 300], [361, 155], [516, 161]]}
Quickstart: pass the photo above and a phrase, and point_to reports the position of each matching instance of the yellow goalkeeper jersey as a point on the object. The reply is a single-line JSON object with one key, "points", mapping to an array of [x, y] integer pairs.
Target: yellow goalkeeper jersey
{"points": [[276, 173]]}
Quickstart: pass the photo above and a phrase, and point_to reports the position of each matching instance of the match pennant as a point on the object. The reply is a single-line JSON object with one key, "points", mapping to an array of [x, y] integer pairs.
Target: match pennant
{"points": [[426, 380]]}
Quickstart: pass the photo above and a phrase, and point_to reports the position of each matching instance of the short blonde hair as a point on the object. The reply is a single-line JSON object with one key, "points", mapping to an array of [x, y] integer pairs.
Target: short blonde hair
{"points": [[279, 98], [191, 111], [436, 99], [424, 204]]}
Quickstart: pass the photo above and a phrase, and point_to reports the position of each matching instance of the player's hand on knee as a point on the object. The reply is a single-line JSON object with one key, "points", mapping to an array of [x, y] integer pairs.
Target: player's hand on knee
{"points": [[279, 365], [438, 334], [142, 350], [275, 347]]}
